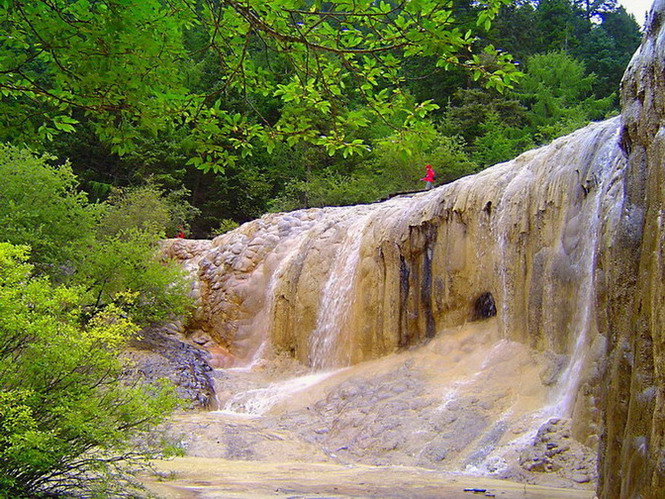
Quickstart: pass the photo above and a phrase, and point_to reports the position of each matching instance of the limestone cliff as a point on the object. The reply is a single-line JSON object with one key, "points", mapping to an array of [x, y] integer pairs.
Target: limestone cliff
{"points": [[632, 302]]}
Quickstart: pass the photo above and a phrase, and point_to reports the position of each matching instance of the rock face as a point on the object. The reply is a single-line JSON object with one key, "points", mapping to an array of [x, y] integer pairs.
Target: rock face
{"points": [[155, 355], [564, 245], [337, 286], [631, 304]]}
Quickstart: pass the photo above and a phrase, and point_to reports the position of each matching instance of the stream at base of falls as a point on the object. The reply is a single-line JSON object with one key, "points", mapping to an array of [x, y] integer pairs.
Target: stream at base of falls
{"points": [[465, 405]]}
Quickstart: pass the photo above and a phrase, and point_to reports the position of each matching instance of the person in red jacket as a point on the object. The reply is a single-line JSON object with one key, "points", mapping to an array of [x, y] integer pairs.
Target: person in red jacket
{"points": [[429, 177], [181, 233]]}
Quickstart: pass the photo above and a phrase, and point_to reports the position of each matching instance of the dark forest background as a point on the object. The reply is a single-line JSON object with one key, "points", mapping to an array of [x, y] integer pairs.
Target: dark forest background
{"points": [[572, 53]]}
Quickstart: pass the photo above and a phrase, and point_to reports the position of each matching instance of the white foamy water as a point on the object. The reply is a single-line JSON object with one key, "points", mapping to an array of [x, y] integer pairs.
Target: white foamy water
{"points": [[259, 401], [336, 298], [604, 160], [263, 323]]}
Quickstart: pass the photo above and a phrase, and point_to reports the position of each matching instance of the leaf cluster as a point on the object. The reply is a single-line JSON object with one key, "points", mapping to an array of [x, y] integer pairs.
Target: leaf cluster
{"points": [[135, 69], [66, 424], [258, 105]]}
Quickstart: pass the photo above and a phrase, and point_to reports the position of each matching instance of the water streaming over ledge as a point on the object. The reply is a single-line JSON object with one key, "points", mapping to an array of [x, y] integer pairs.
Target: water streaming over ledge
{"points": [[335, 302], [335, 287]]}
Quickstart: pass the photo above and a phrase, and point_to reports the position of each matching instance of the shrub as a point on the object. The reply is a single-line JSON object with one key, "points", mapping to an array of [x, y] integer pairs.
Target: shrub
{"points": [[328, 189], [147, 208], [110, 248], [67, 427], [403, 172], [41, 207]]}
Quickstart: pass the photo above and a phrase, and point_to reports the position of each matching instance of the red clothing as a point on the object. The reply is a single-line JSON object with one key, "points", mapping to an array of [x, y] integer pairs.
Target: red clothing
{"points": [[430, 176], [181, 234]]}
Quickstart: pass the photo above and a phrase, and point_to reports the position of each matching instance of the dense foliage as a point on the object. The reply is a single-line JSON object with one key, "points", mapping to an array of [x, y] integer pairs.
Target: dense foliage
{"points": [[223, 89], [211, 73], [292, 102], [66, 424], [65, 419], [109, 248]]}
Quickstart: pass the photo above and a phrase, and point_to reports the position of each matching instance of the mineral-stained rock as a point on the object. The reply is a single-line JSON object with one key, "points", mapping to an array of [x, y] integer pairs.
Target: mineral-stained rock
{"points": [[632, 304], [154, 355], [337, 286]]}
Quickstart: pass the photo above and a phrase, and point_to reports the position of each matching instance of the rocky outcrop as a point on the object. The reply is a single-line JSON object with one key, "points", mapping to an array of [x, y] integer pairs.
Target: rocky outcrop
{"points": [[156, 355], [632, 300], [555, 451]]}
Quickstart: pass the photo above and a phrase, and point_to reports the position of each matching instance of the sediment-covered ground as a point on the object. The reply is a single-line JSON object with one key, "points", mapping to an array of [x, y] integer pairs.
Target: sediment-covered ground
{"points": [[467, 404]]}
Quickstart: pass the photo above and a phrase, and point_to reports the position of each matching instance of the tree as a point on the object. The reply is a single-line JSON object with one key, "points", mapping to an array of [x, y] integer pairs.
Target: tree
{"points": [[559, 25], [132, 69], [109, 248], [67, 427], [608, 47], [45, 210], [515, 29], [470, 109], [559, 95], [595, 8], [499, 141]]}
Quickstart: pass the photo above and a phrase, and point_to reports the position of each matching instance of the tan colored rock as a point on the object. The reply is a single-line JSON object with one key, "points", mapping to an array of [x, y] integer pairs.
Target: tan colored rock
{"points": [[338, 286], [631, 311]]}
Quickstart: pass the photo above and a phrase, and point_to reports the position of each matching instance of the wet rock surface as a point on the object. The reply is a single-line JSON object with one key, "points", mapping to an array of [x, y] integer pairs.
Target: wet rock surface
{"points": [[555, 451], [216, 478], [335, 287], [631, 310], [158, 354], [568, 240], [465, 402]]}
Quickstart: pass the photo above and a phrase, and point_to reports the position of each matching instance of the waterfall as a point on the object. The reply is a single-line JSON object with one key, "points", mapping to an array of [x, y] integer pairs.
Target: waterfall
{"points": [[337, 286], [565, 242], [341, 285], [335, 302], [604, 163]]}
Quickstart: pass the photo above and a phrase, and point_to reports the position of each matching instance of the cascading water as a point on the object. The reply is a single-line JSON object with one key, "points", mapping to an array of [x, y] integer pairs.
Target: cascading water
{"points": [[339, 286], [605, 162], [336, 299], [255, 402]]}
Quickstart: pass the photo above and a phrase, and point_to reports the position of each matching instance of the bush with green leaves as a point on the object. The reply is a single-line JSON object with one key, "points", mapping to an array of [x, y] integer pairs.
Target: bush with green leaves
{"points": [[147, 208], [402, 171], [67, 427], [109, 248], [389, 169], [127, 264], [41, 206], [223, 227], [329, 189], [499, 141]]}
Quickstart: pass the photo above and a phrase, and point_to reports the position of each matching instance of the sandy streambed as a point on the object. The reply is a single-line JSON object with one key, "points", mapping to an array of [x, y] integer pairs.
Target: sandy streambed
{"points": [[218, 478]]}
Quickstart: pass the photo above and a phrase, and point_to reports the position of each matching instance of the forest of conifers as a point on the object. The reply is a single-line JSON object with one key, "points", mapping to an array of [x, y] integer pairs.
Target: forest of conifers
{"points": [[236, 118]]}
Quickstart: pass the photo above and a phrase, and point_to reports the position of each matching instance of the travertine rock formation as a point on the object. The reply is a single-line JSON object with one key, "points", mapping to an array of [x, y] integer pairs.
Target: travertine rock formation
{"points": [[337, 286], [631, 305]]}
